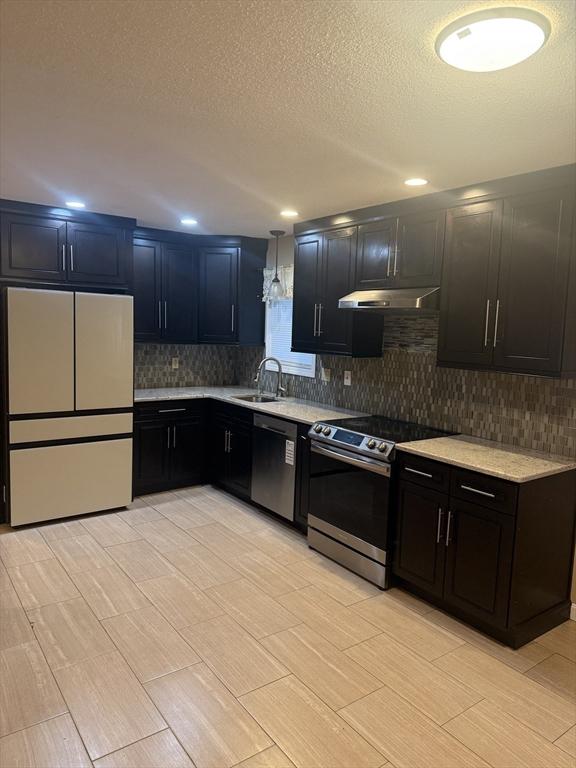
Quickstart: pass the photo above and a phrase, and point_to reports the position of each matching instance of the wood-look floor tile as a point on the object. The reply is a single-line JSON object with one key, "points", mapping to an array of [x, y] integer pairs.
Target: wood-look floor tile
{"points": [[182, 514], [15, 628], [52, 744], [161, 750], [306, 729], [557, 673], [273, 578], [234, 516], [504, 742], [411, 630], [140, 560], [403, 599], [561, 639], [150, 645], [343, 586], [109, 529], [529, 702], [221, 540], [179, 602], [285, 549], [28, 692], [233, 655], [202, 567], [164, 535], [273, 757], [406, 736], [418, 681], [334, 677], [117, 712], [253, 609], [42, 583], [21, 547], [207, 720], [108, 591], [80, 553], [5, 582], [567, 741], [140, 515], [69, 632], [63, 530], [329, 618], [522, 659]]}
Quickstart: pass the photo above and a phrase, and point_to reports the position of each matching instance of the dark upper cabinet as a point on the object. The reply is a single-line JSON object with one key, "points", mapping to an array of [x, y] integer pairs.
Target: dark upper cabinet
{"points": [[375, 254], [420, 243], [218, 295], [179, 294], [33, 248], [469, 283], [532, 281], [338, 264], [307, 271], [147, 290], [98, 254]]}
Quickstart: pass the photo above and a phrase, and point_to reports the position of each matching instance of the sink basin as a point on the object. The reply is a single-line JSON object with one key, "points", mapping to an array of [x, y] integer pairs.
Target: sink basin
{"points": [[256, 398]]}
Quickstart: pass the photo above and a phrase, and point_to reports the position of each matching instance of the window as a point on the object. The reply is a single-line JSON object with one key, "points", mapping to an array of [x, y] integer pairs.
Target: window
{"points": [[279, 341]]}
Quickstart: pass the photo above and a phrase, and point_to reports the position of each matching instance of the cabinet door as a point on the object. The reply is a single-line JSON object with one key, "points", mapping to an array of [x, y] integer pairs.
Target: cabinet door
{"points": [[188, 451], [219, 457], [98, 254], [420, 532], [532, 288], [179, 299], [479, 561], [418, 257], [375, 256], [338, 271], [239, 478], [152, 442], [469, 280], [147, 290], [307, 265], [218, 295], [33, 248]]}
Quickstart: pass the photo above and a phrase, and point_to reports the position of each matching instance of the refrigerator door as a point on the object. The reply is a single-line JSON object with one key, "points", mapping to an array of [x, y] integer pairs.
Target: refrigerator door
{"points": [[40, 351], [104, 351]]}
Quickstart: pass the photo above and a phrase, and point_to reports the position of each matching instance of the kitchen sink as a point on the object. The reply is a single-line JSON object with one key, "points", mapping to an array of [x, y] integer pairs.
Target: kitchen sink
{"points": [[256, 398]]}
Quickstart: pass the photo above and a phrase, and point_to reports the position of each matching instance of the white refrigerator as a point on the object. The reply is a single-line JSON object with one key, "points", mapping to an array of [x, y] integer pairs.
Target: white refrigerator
{"points": [[69, 399]]}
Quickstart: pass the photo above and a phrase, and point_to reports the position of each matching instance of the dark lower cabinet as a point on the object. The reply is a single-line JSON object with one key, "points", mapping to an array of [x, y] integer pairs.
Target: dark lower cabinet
{"points": [[483, 550], [231, 449]]}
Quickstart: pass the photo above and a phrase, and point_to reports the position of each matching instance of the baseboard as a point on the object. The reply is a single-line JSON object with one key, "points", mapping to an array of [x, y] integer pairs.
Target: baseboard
{"points": [[573, 612]]}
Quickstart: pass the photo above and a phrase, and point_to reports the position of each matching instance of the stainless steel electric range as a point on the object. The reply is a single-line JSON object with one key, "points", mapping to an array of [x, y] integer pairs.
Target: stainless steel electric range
{"points": [[352, 490]]}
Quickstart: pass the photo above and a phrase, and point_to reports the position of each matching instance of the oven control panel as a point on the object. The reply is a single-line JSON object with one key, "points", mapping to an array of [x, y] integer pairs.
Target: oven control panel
{"points": [[355, 440]]}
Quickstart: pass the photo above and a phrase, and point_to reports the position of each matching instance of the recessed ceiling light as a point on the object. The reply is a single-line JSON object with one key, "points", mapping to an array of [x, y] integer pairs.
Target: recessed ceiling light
{"points": [[188, 221], [416, 182], [492, 39], [288, 213], [75, 204]]}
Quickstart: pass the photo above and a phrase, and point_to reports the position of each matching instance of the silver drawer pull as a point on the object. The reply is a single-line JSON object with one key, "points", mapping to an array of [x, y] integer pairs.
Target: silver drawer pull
{"points": [[418, 472], [170, 410], [476, 490]]}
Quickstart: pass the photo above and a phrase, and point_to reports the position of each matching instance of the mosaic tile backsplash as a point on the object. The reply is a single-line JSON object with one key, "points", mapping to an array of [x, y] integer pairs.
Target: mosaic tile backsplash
{"points": [[198, 365]]}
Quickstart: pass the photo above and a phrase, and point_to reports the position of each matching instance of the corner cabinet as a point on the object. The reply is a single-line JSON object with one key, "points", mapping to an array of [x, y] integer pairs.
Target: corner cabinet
{"points": [[478, 546]]}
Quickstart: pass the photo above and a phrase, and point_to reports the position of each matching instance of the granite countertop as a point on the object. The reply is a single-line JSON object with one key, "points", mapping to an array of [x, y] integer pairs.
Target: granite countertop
{"points": [[519, 465], [304, 411]]}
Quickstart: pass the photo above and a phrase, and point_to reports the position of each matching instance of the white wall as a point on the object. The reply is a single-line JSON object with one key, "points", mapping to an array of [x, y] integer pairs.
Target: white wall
{"points": [[285, 251]]}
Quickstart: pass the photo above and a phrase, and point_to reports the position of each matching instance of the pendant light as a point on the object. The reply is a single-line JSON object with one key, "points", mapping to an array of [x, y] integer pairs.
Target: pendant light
{"points": [[276, 289]]}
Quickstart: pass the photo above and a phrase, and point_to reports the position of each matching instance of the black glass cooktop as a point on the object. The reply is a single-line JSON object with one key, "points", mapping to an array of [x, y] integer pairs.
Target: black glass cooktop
{"points": [[389, 429]]}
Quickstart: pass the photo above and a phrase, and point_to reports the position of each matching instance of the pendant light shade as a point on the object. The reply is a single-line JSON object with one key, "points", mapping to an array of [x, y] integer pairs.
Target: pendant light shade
{"points": [[276, 289]]}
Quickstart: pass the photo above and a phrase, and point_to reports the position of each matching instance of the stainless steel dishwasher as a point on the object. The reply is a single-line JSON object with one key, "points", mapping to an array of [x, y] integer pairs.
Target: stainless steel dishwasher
{"points": [[274, 464]]}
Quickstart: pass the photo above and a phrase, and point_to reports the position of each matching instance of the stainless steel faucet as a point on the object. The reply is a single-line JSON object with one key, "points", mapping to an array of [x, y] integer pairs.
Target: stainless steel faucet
{"points": [[280, 390]]}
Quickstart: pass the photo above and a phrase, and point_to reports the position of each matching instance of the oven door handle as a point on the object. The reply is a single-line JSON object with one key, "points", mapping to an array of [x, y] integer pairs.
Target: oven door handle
{"points": [[378, 467]]}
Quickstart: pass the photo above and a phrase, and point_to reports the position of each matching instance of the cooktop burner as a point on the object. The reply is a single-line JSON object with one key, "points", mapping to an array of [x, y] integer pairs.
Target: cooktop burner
{"points": [[388, 429]]}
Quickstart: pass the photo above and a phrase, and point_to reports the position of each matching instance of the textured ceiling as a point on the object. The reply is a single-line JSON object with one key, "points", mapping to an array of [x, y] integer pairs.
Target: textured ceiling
{"points": [[231, 110]]}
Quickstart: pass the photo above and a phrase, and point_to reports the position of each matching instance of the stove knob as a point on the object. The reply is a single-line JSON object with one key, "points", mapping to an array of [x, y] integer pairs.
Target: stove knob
{"points": [[382, 447], [318, 428], [327, 431], [371, 443]]}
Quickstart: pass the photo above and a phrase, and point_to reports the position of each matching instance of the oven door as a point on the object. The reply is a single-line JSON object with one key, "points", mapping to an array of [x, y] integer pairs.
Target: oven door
{"points": [[349, 499]]}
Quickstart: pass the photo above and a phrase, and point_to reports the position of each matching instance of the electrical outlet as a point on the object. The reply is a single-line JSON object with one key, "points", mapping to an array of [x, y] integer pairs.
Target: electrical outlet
{"points": [[326, 372], [175, 363], [347, 378]]}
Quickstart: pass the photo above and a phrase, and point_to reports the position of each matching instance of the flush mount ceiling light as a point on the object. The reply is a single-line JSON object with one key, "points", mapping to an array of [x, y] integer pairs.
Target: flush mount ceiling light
{"points": [[188, 221], [288, 213], [492, 39], [416, 182], [75, 204], [276, 289]]}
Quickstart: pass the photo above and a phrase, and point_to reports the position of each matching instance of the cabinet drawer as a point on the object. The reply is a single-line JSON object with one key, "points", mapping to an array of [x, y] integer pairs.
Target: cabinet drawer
{"points": [[490, 492], [229, 412], [431, 474], [166, 409]]}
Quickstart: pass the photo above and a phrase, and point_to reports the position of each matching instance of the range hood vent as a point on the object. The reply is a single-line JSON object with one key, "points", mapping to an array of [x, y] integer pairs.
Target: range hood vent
{"points": [[393, 299]]}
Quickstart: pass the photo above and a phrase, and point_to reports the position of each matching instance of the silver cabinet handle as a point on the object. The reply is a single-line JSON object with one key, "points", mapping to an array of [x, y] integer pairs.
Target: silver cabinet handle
{"points": [[71, 257], [315, 320], [418, 472], [174, 436], [225, 441], [486, 322], [233, 313], [168, 442], [496, 322], [476, 490], [171, 410], [229, 441], [448, 528], [439, 525], [160, 315], [320, 308], [395, 261], [63, 257], [165, 315]]}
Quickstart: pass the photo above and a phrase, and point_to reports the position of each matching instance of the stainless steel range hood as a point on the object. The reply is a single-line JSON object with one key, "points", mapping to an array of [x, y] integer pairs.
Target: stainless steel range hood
{"points": [[393, 299]]}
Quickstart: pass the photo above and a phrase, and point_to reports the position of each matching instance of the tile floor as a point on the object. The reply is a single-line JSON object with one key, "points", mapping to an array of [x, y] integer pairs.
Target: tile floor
{"points": [[192, 630]]}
